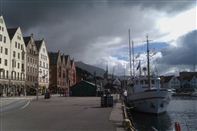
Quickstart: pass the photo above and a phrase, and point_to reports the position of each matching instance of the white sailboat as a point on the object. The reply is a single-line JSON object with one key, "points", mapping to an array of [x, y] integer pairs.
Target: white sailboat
{"points": [[144, 93]]}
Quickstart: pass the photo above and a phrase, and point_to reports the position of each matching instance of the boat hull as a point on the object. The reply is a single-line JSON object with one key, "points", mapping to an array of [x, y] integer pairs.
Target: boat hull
{"points": [[155, 101]]}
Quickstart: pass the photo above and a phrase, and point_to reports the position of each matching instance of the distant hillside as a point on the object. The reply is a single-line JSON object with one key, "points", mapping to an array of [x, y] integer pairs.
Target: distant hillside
{"points": [[90, 68]]}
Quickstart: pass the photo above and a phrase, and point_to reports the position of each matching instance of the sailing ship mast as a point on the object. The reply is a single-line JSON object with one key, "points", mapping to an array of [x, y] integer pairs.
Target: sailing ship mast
{"points": [[133, 58], [148, 61], [130, 55]]}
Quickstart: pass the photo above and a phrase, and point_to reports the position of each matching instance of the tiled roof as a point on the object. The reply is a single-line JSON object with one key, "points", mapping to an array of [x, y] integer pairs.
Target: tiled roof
{"points": [[11, 32], [53, 56], [38, 44], [27, 39], [188, 78]]}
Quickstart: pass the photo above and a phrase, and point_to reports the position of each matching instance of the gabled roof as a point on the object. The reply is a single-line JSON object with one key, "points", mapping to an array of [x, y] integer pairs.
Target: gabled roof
{"points": [[63, 58], [27, 39], [38, 44], [71, 62], [66, 58], [53, 56], [166, 79], [11, 32]]}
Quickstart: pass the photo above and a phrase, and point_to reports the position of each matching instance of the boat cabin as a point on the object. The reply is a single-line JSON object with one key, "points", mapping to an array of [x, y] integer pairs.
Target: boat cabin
{"points": [[141, 83]]}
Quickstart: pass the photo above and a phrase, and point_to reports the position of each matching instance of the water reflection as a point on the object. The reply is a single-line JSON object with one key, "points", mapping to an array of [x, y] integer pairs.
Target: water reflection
{"points": [[146, 122]]}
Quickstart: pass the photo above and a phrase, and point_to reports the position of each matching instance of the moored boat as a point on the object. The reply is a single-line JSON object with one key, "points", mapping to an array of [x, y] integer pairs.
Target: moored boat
{"points": [[144, 93], [149, 100]]}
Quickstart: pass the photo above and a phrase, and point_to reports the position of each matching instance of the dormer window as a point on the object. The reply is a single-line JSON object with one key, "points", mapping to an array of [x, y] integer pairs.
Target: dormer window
{"points": [[18, 37], [43, 49]]}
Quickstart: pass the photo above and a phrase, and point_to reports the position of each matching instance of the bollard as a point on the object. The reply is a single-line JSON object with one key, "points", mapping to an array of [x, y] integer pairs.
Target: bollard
{"points": [[177, 126], [127, 124]]}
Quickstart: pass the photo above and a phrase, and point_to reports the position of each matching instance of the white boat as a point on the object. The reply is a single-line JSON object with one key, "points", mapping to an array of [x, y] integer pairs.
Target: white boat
{"points": [[144, 93], [149, 100]]}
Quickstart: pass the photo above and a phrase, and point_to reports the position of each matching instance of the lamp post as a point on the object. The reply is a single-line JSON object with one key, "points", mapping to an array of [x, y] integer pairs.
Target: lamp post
{"points": [[36, 86]]}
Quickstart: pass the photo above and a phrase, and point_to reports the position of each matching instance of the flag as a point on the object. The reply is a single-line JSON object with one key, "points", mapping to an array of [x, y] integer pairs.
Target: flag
{"points": [[139, 64]]}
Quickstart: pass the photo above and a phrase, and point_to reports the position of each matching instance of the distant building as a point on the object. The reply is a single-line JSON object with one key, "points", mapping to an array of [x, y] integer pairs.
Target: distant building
{"points": [[73, 73], [63, 79], [193, 82], [170, 82], [55, 71], [31, 65], [62, 73], [43, 67], [188, 79]]}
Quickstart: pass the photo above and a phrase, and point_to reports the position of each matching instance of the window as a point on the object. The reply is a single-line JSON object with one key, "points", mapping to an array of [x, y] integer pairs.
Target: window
{"points": [[14, 54], [6, 74], [12, 62], [0, 60], [23, 56], [22, 66], [6, 62], [43, 49], [1, 49], [15, 44], [18, 55], [4, 39], [18, 65], [18, 37], [19, 45], [40, 63], [6, 51], [0, 37]]}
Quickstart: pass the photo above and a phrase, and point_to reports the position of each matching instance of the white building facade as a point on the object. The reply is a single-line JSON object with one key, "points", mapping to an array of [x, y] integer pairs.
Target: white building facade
{"points": [[17, 62], [43, 67], [193, 82], [4, 58], [174, 83]]}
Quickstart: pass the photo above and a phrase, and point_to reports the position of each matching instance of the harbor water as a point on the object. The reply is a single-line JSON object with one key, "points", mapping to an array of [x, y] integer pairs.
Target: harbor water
{"points": [[180, 109]]}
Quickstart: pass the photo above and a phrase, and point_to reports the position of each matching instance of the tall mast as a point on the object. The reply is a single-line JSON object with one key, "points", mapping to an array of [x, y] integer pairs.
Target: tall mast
{"points": [[130, 54], [148, 61], [133, 58]]}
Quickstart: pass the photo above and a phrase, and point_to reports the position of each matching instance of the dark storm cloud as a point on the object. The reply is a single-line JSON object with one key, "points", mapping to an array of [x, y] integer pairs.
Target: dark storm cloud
{"points": [[32, 12], [87, 29], [185, 53]]}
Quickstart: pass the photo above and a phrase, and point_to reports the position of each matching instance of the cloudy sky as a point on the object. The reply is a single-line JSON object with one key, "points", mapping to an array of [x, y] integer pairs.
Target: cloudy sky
{"points": [[96, 31]]}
